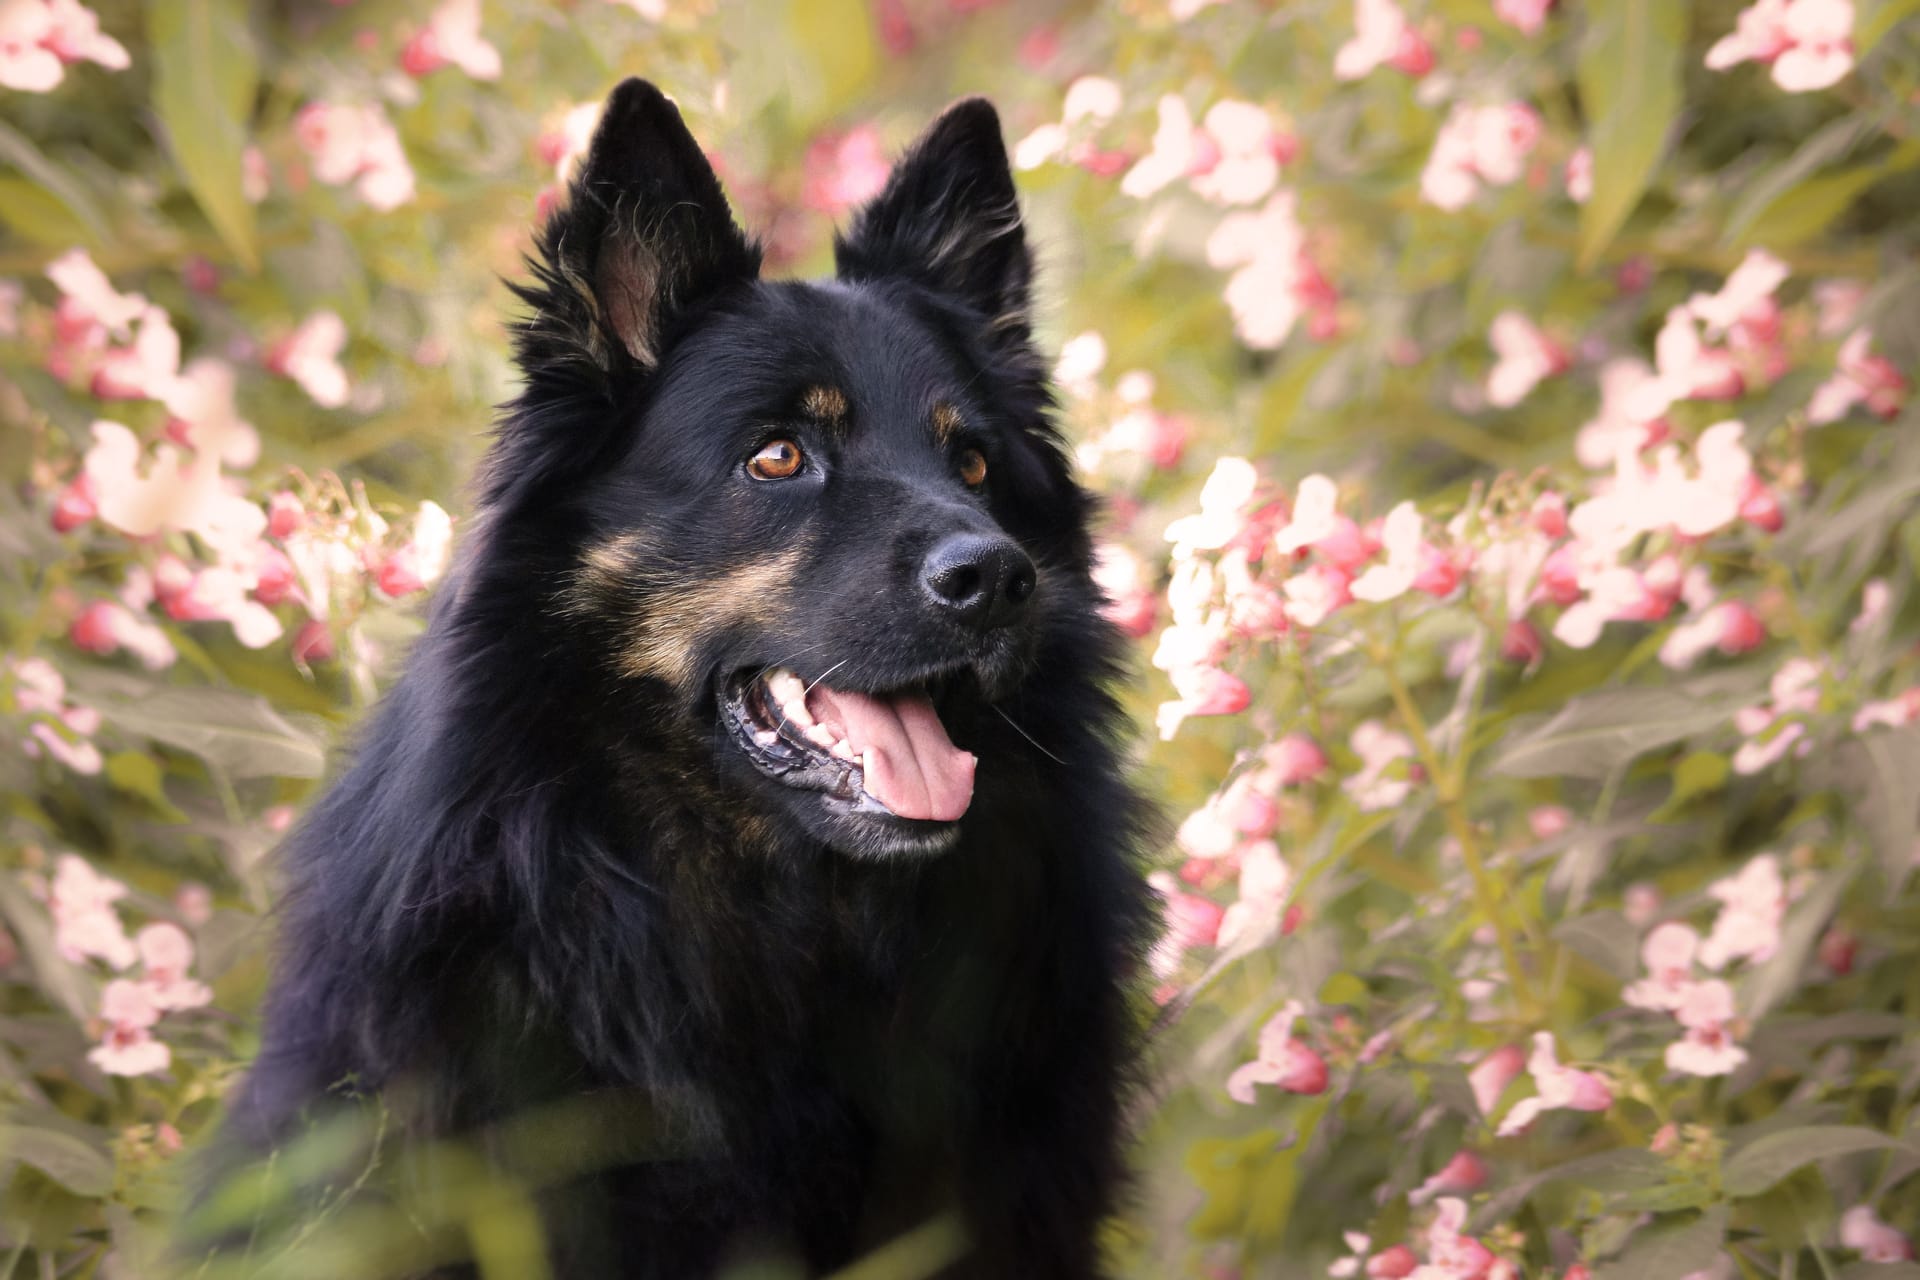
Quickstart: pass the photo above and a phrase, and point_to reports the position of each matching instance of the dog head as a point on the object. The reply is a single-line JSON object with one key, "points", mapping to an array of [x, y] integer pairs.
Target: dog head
{"points": [[818, 528]]}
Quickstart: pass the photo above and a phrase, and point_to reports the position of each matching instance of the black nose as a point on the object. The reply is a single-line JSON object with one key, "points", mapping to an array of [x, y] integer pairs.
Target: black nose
{"points": [[980, 581]]}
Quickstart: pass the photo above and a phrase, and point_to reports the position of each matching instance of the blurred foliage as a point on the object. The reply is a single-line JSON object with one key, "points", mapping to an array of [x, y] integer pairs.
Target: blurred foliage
{"points": [[1422, 829]]}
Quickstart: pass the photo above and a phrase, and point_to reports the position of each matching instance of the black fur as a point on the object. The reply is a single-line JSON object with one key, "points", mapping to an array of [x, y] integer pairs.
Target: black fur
{"points": [[550, 876]]}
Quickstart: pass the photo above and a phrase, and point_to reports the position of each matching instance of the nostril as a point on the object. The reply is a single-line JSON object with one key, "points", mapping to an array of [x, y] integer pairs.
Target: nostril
{"points": [[958, 583]]}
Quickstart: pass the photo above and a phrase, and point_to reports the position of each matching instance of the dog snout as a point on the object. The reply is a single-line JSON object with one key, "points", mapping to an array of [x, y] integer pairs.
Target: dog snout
{"points": [[978, 581]]}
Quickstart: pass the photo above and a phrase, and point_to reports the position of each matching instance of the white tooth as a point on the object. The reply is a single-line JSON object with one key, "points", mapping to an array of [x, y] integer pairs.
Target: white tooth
{"points": [[843, 749], [795, 709], [786, 687], [765, 737], [821, 736]]}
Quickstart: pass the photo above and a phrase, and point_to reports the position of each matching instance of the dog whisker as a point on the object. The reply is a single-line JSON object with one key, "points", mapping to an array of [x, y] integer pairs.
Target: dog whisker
{"points": [[1023, 733]]}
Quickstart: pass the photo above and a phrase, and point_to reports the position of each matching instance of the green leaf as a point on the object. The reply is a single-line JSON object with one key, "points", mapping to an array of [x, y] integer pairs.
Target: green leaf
{"points": [[206, 73], [1875, 21], [18, 153], [68, 1160], [1809, 208], [1671, 1249], [1605, 938], [1343, 988], [1889, 807], [1700, 773], [1629, 79], [1879, 1271], [237, 732], [62, 983], [138, 774], [1765, 1161], [1596, 733], [1831, 144]]}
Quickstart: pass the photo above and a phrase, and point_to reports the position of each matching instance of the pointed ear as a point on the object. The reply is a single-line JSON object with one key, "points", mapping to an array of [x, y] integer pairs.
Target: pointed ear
{"points": [[645, 233], [949, 218]]}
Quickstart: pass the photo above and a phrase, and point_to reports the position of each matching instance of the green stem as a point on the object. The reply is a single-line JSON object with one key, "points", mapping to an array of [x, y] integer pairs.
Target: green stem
{"points": [[1447, 792]]}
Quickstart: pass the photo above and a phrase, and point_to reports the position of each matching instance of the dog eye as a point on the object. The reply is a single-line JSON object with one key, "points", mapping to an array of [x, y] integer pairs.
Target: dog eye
{"points": [[776, 460], [973, 468]]}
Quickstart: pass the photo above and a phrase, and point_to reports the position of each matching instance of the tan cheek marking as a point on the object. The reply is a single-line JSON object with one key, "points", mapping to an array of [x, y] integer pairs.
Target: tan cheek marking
{"points": [[605, 575], [824, 404], [946, 423], [681, 615]]}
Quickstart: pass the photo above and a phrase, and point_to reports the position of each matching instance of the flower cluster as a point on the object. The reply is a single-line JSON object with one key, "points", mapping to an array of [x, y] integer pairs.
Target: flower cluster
{"points": [[39, 39]]}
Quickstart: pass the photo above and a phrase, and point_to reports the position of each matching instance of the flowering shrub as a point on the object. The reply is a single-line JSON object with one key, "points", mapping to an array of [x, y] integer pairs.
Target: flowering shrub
{"points": [[1503, 408]]}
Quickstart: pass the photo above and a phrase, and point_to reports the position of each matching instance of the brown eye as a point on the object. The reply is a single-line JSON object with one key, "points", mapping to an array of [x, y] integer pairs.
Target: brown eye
{"points": [[973, 468], [777, 460]]}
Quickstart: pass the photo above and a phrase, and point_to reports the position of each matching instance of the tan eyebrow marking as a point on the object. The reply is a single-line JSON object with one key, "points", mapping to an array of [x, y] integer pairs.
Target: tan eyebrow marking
{"points": [[946, 422], [824, 404]]}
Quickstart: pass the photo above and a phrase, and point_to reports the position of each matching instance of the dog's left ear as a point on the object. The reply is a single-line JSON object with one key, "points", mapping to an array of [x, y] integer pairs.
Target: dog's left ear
{"points": [[949, 218]]}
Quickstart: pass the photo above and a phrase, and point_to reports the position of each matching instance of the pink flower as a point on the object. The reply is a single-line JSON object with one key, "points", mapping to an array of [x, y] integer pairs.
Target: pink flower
{"points": [[1294, 759], [85, 923], [1668, 955], [1283, 1061], [93, 297], [194, 902], [105, 627], [1313, 596], [146, 369], [1705, 1009], [1382, 36], [173, 494], [1401, 536], [1559, 1088], [1274, 282], [356, 144], [1204, 691], [39, 38], [1192, 921], [423, 558], [1528, 15], [1245, 167], [310, 355], [1464, 1174], [843, 170], [1873, 1239], [1888, 713], [1396, 1262], [1171, 156], [128, 1047], [1379, 784], [1770, 733], [1478, 145], [1315, 511], [1731, 627], [1490, 1078], [1451, 1255], [1861, 378], [1265, 886], [1754, 902], [1223, 499], [1580, 175], [452, 37], [1809, 43], [1526, 357], [166, 953], [1122, 578]]}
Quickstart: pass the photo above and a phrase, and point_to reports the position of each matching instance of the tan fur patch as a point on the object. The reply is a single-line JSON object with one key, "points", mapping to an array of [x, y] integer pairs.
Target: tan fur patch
{"points": [[946, 423], [678, 617], [824, 404]]}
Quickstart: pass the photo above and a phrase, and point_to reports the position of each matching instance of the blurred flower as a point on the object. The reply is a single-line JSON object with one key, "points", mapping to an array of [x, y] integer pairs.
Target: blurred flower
{"points": [[1274, 283], [61, 729], [1261, 910], [1451, 1255], [843, 170], [1464, 1174], [1794, 692], [1705, 1009], [1580, 175], [84, 920], [1478, 145], [39, 38], [356, 144], [1753, 904], [1559, 1088], [1809, 43], [1861, 378], [1283, 1061], [452, 37], [1192, 921], [1379, 749], [1668, 955], [1122, 578], [1229, 488], [310, 355], [94, 296], [1382, 37], [1528, 15], [1873, 1239], [423, 558], [1491, 1076], [166, 954], [128, 1048], [1525, 357], [1244, 160]]}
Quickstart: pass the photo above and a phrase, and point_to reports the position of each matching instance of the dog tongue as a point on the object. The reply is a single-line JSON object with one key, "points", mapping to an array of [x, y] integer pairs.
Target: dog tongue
{"points": [[911, 766]]}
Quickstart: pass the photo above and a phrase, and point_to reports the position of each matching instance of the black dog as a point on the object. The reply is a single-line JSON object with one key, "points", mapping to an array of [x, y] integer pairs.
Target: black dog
{"points": [[754, 783]]}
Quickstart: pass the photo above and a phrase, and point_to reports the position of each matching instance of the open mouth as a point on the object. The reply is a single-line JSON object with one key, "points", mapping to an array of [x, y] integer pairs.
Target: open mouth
{"points": [[867, 753]]}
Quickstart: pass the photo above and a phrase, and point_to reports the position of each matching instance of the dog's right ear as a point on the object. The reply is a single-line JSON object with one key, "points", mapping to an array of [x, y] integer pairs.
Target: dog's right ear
{"points": [[645, 234]]}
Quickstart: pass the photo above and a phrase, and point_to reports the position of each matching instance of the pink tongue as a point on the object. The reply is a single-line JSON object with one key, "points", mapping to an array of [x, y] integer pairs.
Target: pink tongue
{"points": [[912, 767]]}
